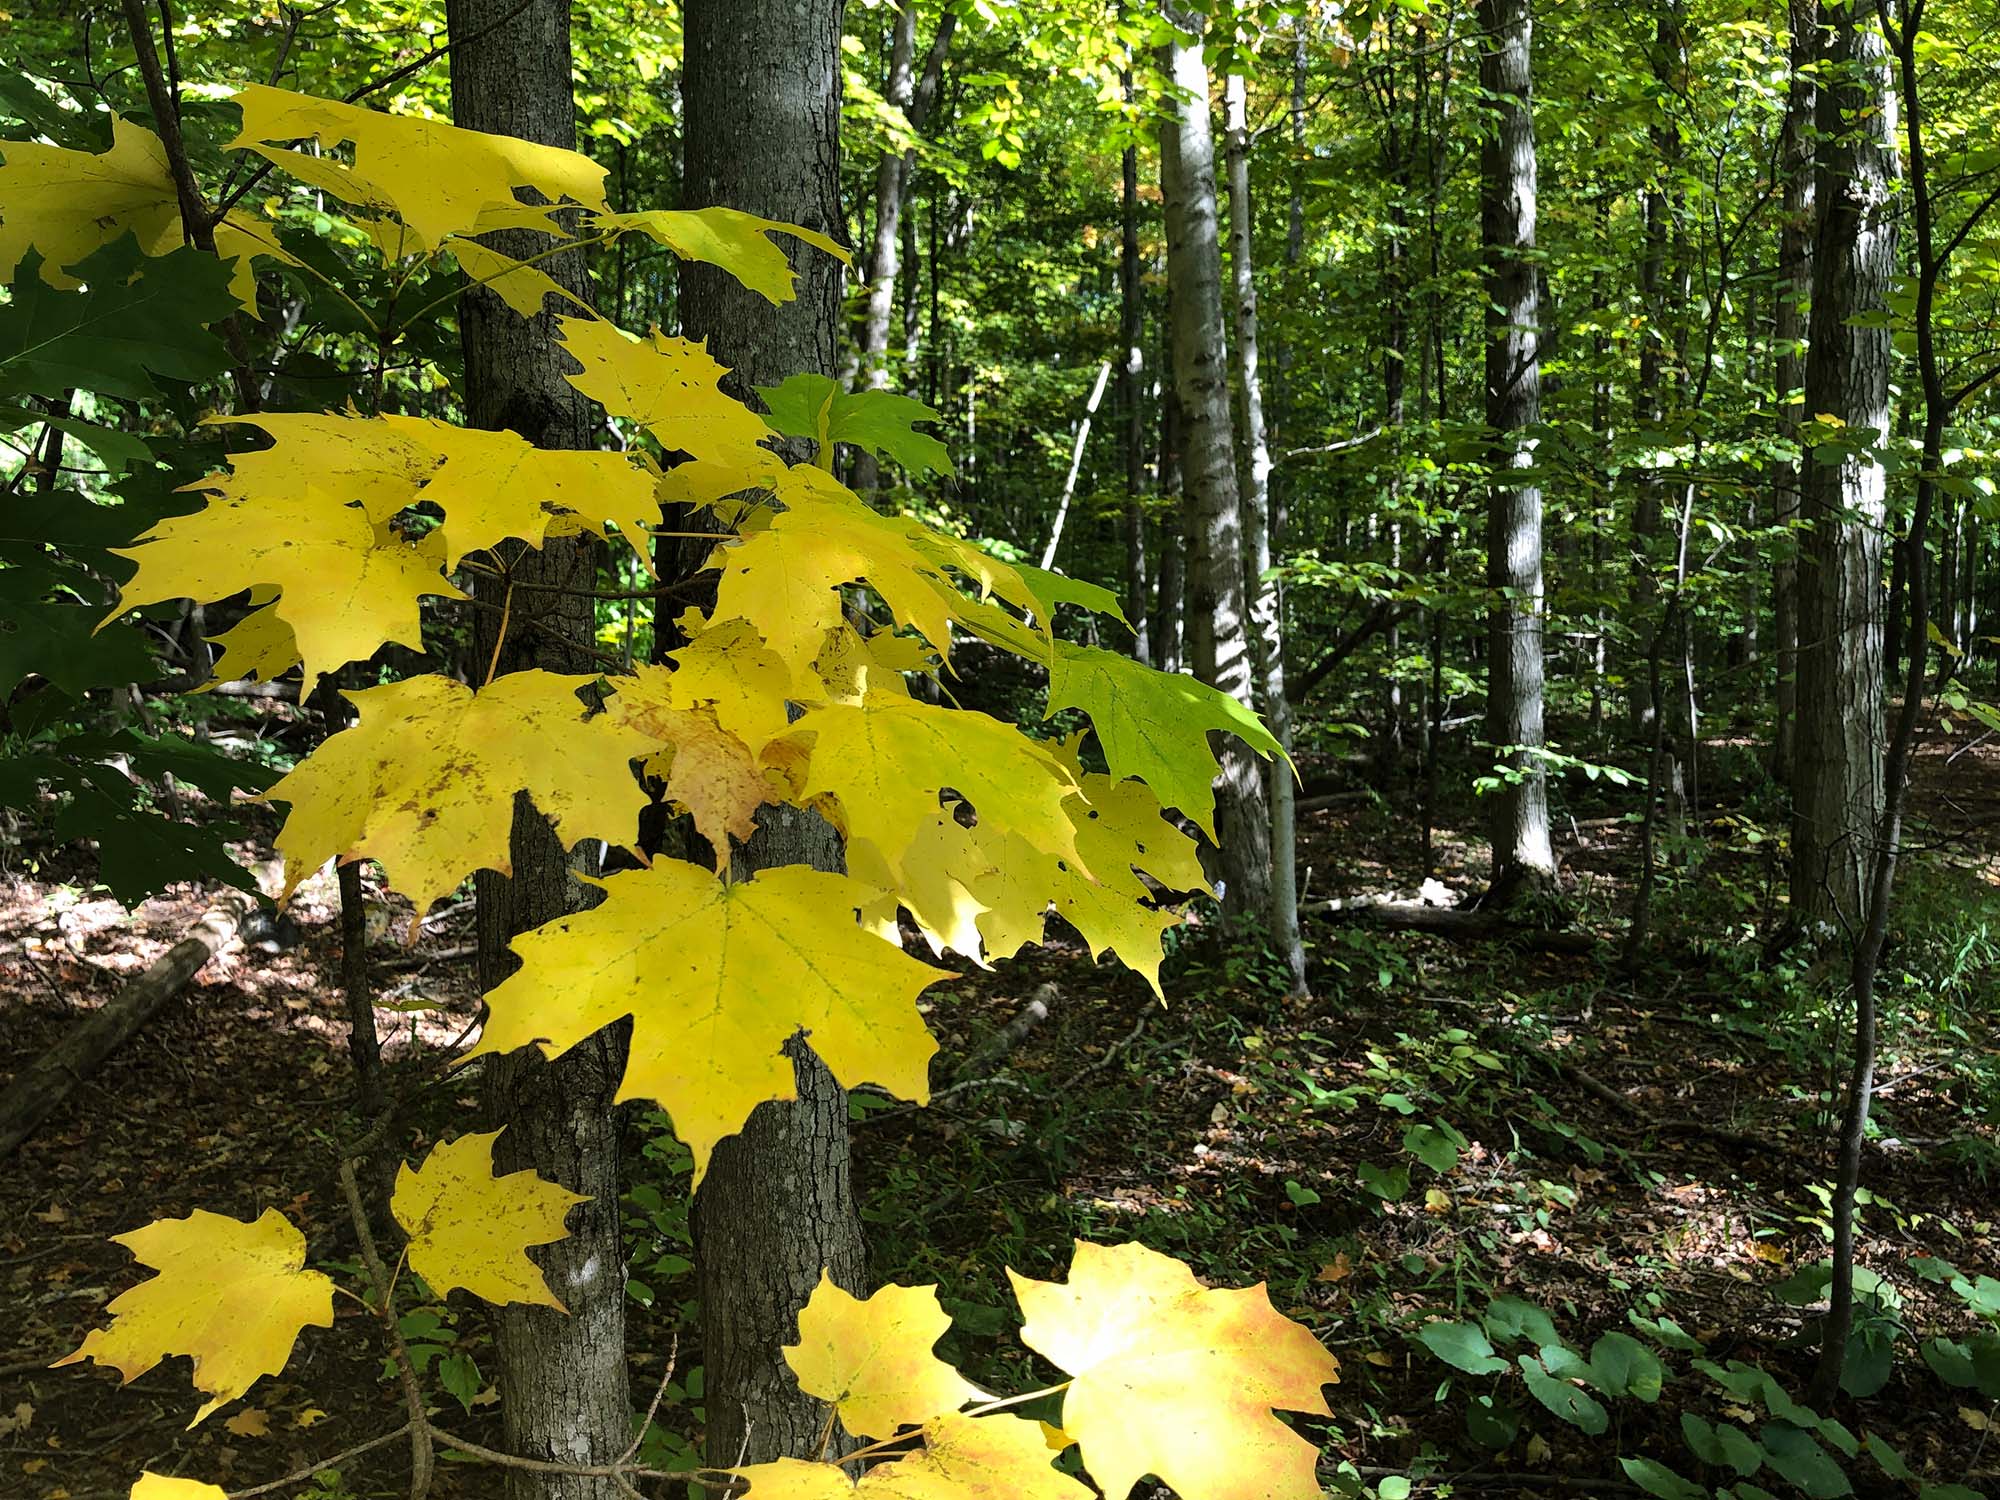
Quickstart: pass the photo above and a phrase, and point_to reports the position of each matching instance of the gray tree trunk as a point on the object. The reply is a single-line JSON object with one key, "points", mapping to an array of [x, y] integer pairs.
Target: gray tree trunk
{"points": [[562, 1378], [1837, 780], [1218, 626], [1266, 616], [1523, 861], [1132, 368], [1788, 333], [892, 185], [761, 98]]}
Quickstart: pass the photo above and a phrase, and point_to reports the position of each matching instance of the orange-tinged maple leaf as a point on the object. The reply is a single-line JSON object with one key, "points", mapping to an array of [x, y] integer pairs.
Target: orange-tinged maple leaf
{"points": [[708, 771], [998, 1457], [871, 1357], [422, 784], [231, 1295], [717, 978], [469, 1228], [1173, 1379]]}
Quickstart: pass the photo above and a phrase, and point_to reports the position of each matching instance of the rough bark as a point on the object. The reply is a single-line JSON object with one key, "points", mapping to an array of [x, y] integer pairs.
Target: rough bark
{"points": [[761, 98], [1218, 625], [1837, 781], [1788, 333], [1266, 617], [1523, 860], [562, 1377]]}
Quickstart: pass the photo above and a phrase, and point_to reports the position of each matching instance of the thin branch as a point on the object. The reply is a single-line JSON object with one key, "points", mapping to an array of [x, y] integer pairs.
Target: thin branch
{"points": [[422, 1457], [333, 1461]]}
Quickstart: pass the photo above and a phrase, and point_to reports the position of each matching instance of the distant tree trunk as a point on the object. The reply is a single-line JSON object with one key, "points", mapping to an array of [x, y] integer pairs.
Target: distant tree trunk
{"points": [[1132, 367], [1837, 781], [1169, 629], [1266, 622], [562, 1377], [1218, 618], [1795, 239], [761, 96], [914, 97], [1523, 860]]}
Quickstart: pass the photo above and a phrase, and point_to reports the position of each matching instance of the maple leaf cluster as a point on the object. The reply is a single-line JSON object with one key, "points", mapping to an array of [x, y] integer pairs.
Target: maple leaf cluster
{"points": [[349, 531]]}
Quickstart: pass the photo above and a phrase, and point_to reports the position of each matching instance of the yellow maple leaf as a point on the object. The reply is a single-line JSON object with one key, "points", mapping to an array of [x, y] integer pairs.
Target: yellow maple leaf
{"points": [[1172, 1379], [716, 979], [438, 178], [997, 1457], [850, 665], [708, 771], [346, 587], [374, 463], [672, 388], [931, 879], [231, 1295], [490, 485], [888, 761], [522, 287], [728, 669], [871, 1357], [739, 243], [260, 645], [422, 783], [494, 485], [785, 578], [1019, 884], [161, 1487], [250, 1422], [69, 203], [471, 1229]]}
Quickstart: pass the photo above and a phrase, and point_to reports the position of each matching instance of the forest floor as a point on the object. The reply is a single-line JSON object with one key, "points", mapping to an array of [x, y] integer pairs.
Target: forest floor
{"points": [[1652, 1144]]}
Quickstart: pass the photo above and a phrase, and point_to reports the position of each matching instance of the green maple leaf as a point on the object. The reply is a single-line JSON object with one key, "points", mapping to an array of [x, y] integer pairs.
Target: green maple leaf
{"points": [[1153, 725], [814, 406], [60, 641], [135, 317]]}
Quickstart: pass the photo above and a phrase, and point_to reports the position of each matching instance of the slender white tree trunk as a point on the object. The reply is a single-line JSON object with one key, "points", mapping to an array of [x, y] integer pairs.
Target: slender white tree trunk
{"points": [[1218, 625], [1266, 617]]}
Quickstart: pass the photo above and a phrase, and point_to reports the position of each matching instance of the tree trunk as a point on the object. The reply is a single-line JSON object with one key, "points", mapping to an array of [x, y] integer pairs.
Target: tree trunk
{"points": [[1267, 637], [1788, 333], [761, 98], [1132, 366], [1837, 802], [1218, 624], [1523, 861], [904, 92], [562, 1377]]}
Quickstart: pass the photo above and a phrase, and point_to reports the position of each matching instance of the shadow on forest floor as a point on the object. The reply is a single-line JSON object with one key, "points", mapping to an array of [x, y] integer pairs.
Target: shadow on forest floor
{"points": [[1438, 1125]]}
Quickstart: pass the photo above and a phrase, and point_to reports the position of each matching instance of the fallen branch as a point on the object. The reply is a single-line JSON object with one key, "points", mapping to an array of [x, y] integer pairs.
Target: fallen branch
{"points": [[38, 1088], [1003, 1042]]}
